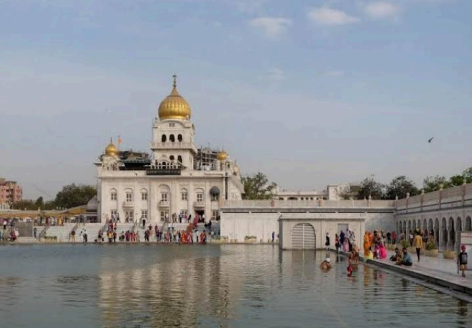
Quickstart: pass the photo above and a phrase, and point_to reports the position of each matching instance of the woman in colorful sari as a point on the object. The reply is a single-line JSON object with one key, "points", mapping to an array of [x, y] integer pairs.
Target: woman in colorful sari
{"points": [[366, 242], [346, 245], [382, 249]]}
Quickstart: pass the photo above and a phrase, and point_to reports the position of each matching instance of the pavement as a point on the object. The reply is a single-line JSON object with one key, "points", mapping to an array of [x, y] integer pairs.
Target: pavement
{"points": [[435, 270]]}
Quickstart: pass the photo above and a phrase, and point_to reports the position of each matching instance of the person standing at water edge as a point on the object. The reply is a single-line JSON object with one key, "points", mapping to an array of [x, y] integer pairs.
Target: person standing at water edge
{"points": [[462, 260], [418, 244], [328, 242], [273, 236]]}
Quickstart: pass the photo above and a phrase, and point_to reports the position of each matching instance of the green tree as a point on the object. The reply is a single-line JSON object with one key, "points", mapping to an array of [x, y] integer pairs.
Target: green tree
{"points": [[39, 203], [24, 204], [372, 188], [74, 195], [400, 186], [433, 183], [458, 179], [467, 174], [257, 186]]}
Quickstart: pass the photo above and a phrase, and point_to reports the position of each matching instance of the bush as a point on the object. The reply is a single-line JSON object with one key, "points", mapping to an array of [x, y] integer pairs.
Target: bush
{"points": [[405, 243], [430, 245]]}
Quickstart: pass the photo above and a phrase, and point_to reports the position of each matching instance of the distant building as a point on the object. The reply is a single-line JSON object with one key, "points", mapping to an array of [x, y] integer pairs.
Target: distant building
{"points": [[332, 192], [10, 192]]}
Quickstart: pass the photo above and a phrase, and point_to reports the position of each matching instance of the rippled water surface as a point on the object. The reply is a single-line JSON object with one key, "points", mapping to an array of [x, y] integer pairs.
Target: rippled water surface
{"points": [[207, 286]]}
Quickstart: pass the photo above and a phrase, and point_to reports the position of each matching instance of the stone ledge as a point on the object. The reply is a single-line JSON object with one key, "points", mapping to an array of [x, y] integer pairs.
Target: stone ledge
{"points": [[455, 283]]}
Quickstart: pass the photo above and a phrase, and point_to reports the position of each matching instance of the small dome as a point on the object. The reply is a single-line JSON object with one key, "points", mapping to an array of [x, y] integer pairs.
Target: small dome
{"points": [[111, 149], [221, 156], [174, 106]]}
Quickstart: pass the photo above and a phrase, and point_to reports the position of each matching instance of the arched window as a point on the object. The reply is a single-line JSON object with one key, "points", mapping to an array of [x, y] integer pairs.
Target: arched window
{"points": [[144, 194], [171, 157], [129, 195], [113, 194], [179, 159], [172, 138], [163, 138], [179, 137]]}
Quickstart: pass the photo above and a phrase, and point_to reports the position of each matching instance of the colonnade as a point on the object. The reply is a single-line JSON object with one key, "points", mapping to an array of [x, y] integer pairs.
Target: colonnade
{"points": [[446, 229]]}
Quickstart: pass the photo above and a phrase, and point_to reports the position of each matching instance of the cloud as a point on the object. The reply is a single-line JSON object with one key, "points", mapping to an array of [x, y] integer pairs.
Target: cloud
{"points": [[273, 27], [250, 6], [334, 73], [381, 10], [328, 16], [276, 74]]}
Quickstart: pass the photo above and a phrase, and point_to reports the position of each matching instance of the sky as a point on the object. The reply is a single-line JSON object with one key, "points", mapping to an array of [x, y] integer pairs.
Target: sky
{"points": [[310, 93]]}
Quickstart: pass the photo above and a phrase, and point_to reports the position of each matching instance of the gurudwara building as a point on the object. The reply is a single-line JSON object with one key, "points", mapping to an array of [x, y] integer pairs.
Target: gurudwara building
{"points": [[176, 177]]}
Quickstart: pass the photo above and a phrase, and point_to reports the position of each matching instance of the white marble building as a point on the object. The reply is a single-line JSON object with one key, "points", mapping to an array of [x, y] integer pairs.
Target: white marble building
{"points": [[176, 177]]}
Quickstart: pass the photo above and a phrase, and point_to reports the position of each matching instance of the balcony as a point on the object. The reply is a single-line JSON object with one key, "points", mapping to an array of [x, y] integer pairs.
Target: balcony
{"points": [[164, 203], [128, 204], [173, 145], [199, 204]]}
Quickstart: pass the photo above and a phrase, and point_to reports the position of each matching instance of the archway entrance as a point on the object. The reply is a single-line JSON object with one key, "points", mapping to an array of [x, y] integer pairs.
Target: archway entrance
{"points": [[303, 236]]}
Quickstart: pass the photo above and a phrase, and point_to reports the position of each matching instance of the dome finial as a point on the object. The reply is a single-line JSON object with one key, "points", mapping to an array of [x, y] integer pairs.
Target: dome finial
{"points": [[175, 81]]}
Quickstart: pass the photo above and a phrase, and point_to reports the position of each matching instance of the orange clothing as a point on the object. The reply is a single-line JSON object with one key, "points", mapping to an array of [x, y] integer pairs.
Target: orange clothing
{"points": [[418, 242]]}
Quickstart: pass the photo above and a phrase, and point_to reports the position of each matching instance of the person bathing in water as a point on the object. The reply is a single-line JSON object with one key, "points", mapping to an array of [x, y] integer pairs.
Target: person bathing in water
{"points": [[326, 264]]}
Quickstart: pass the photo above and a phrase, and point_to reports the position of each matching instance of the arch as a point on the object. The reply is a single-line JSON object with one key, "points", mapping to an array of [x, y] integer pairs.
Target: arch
{"points": [[468, 224], [452, 234], [164, 187], [163, 138], [418, 225], [292, 198], [303, 236], [443, 231], [413, 226], [172, 138], [430, 225], [424, 227], [409, 226], [281, 198], [171, 157], [179, 159], [179, 138], [436, 231]]}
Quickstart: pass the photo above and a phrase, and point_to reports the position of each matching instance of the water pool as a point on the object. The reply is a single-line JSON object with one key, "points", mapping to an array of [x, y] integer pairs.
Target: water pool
{"points": [[207, 286]]}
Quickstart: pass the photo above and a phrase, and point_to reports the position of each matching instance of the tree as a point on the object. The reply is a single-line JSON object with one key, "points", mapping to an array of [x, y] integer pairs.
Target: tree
{"points": [[73, 195], [400, 186], [458, 179], [39, 203], [24, 204], [372, 188], [257, 186], [434, 183], [467, 174]]}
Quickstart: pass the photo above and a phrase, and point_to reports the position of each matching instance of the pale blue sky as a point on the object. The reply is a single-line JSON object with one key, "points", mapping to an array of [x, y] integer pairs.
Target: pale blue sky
{"points": [[309, 92]]}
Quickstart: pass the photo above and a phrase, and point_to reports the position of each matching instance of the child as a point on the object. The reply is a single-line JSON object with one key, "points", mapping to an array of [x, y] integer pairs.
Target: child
{"points": [[462, 260]]}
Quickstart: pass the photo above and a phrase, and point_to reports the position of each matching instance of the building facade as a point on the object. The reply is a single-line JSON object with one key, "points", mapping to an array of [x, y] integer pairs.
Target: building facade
{"points": [[10, 192], [175, 177]]}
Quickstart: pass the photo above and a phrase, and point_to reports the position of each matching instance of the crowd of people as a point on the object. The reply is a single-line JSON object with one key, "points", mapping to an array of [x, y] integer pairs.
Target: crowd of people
{"points": [[190, 235]]}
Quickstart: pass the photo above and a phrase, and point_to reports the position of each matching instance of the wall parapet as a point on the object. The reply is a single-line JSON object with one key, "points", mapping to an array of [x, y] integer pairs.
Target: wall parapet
{"points": [[455, 197], [308, 204]]}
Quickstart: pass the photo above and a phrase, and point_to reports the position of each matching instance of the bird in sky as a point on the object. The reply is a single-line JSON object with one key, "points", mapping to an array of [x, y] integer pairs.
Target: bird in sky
{"points": [[430, 140]]}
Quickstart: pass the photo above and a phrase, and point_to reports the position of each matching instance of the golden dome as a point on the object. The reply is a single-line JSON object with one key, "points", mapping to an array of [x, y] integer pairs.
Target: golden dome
{"points": [[174, 106], [111, 149], [221, 156]]}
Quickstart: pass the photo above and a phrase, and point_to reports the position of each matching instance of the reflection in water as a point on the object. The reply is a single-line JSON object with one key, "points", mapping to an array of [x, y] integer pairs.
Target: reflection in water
{"points": [[210, 286]]}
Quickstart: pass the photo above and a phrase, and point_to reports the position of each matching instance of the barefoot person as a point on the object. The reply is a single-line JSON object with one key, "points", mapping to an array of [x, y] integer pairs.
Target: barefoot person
{"points": [[462, 260]]}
